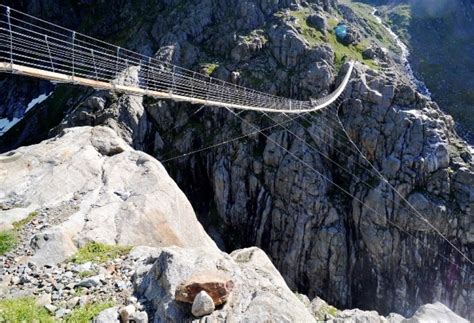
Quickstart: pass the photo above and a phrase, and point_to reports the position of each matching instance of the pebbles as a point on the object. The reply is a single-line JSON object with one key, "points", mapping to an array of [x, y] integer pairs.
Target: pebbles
{"points": [[66, 286]]}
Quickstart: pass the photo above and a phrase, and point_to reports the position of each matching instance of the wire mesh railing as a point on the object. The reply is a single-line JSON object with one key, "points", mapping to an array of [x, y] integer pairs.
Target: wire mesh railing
{"points": [[27, 41]]}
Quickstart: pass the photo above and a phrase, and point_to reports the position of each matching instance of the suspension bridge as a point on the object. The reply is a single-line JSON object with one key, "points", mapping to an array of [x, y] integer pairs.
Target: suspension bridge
{"points": [[34, 47]]}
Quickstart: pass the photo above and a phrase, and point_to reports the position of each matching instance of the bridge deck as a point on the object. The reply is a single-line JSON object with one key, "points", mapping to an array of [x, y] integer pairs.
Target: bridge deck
{"points": [[33, 47], [132, 90]]}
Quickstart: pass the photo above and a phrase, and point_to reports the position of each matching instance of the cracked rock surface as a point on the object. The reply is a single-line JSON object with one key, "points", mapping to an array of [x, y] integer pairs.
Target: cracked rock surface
{"points": [[116, 192]]}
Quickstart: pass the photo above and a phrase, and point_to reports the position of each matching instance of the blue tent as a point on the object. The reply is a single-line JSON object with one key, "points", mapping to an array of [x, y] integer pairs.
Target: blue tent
{"points": [[341, 31]]}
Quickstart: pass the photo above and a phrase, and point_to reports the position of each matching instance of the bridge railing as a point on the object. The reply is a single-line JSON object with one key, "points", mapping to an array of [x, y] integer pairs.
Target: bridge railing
{"points": [[53, 52], [32, 42]]}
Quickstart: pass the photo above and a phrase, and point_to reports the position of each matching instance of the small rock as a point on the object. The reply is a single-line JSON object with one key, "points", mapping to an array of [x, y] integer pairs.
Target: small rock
{"points": [[83, 267], [139, 317], [126, 312], [83, 300], [121, 285], [109, 315], [202, 305], [62, 312], [132, 300], [15, 280], [317, 21], [68, 274], [89, 282], [44, 299], [50, 308], [58, 286], [73, 302]]}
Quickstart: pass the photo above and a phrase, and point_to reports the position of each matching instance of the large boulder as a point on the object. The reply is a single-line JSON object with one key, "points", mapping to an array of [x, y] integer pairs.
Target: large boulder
{"points": [[436, 312], [93, 187], [260, 293], [287, 45]]}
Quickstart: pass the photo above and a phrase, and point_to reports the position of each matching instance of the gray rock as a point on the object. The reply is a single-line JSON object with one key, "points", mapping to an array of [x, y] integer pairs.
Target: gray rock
{"points": [[50, 308], [126, 311], [73, 158], [109, 315], [202, 305], [90, 282], [317, 21], [436, 312], [139, 317], [287, 46], [260, 293], [71, 303], [62, 312], [358, 316], [44, 299]]}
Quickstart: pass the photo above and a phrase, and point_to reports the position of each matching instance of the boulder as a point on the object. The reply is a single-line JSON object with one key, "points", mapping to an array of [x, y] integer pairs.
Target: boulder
{"points": [[436, 312], [97, 188], [259, 294], [358, 316], [217, 285], [139, 317], [109, 315], [287, 45], [317, 21]]}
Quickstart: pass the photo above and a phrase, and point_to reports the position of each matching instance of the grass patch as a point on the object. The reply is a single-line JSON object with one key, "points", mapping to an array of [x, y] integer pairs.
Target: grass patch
{"points": [[98, 253], [314, 37], [399, 19], [86, 273], [88, 312], [8, 241], [325, 312], [19, 224], [208, 68], [380, 34], [23, 310]]}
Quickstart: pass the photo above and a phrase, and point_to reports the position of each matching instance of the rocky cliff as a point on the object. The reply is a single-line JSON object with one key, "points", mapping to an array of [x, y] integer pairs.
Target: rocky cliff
{"points": [[439, 35], [364, 249]]}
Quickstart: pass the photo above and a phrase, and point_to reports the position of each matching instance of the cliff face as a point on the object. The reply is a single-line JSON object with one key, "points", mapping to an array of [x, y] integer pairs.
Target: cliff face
{"points": [[440, 37], [366, 248]]}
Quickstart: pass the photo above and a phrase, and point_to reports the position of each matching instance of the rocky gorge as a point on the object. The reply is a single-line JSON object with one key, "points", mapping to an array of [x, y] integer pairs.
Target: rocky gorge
{"points": [[335, 231]]}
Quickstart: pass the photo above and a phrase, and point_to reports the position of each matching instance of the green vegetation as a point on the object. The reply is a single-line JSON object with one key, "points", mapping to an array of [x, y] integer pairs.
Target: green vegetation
{"points": [[256, 33], [314, 37], [381, 35], [444, 66], [324, 312], [19, 224], [86, 273], [98, 253], [399, 19], [23, 310], [8, 241], [86, 313], [208, 68], [8, 238]]}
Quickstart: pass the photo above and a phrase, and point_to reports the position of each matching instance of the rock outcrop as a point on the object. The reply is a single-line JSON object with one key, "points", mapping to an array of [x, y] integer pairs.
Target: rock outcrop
{"points": [[94, 187], [252, 192], [260, 293]]}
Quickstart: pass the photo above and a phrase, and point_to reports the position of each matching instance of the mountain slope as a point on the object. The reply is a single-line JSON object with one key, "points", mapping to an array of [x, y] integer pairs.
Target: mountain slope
{"points": [[254, 192], [440, 37]]}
